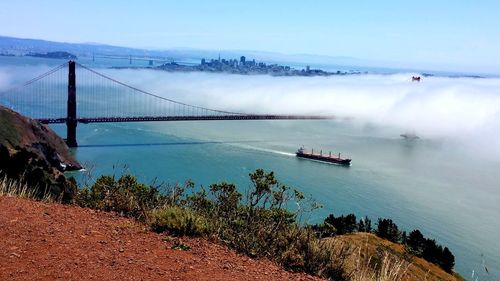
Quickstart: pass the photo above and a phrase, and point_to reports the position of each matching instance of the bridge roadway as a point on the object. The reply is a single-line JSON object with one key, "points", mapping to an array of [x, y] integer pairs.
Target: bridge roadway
{"points": [[185, 118]]}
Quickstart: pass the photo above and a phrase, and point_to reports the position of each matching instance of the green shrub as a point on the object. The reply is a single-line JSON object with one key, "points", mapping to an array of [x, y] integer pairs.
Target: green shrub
{"points": [[259, 224], [305, 253], [178, 222], [255, 225], [125, 196]]}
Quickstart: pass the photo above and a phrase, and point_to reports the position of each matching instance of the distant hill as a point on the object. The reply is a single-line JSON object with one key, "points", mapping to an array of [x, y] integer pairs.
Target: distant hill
{"points": [[19, 46], [54, 55]]}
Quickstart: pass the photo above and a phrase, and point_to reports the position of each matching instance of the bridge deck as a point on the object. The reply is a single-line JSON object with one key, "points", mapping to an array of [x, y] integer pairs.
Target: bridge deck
{"points": [[186, 118]]}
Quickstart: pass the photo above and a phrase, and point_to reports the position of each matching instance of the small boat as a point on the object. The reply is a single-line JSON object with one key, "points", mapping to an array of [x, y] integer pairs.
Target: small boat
{"points": [[329, 158], [410, 136]]}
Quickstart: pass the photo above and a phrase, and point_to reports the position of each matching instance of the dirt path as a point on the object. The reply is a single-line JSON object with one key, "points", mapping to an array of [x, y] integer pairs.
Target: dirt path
{"points": [[45, 241]]}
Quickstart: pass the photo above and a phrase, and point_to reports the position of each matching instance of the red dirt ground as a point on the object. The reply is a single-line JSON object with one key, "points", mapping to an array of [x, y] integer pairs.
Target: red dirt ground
{"points": [[48, 241]]}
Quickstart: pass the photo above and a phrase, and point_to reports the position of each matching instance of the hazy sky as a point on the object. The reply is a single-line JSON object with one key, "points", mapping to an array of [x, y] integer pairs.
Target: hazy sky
{"points": [[428, 33]]}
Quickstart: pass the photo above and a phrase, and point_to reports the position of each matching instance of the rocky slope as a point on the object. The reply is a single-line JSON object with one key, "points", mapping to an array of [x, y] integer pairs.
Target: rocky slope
{"points": [[32, 152]]}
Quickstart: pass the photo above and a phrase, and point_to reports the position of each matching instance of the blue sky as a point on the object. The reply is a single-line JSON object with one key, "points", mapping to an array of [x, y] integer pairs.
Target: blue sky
{"points": [[434, 34]]}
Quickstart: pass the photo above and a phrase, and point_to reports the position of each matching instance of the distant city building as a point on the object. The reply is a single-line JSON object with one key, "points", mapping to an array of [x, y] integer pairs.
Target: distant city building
{"points": [[244, 67]]}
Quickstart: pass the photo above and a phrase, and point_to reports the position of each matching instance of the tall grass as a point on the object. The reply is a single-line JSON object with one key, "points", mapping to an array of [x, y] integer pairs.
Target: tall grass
{"points": [[390, 268], [14, 188], [18, 188]]}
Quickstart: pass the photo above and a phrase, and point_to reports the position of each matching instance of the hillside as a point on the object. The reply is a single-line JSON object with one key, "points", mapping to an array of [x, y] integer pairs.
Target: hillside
{"points": [[17, 132], [65, 242], [32, 152], [55, 241], [370, 246]]}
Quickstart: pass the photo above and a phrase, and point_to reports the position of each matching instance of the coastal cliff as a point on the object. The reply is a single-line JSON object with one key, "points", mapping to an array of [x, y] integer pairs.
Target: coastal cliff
{"points": [[32, 153]]}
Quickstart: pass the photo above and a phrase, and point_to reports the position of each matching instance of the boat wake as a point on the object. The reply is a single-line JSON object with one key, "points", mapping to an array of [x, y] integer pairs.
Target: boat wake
{"points": [[279, 152], [273, 151]]}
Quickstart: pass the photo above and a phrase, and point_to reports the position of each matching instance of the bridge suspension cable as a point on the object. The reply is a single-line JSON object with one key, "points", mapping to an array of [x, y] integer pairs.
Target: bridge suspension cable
{"points": [[100, 98], [41, 97], [200, 108], [55, 69], [90, 97]]}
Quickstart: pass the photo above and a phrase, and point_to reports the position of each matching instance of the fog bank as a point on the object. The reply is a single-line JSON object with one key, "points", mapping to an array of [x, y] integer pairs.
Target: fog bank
{"points": [[465, 109], [436, 107]]}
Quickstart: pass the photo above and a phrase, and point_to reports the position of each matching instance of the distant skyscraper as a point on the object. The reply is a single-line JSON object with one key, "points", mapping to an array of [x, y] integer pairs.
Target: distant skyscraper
{"points": [[242, 60]]}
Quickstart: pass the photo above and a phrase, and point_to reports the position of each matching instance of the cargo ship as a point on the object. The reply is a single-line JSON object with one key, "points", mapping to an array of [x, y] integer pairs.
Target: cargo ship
{"points": [[329, 158]]}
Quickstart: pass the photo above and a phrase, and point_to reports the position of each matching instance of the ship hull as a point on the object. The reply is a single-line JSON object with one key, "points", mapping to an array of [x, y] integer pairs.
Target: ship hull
{"points": [[328, 159]]}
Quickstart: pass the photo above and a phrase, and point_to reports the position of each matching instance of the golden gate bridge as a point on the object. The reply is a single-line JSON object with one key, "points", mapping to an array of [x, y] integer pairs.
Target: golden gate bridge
{"points": [[52, 98]]}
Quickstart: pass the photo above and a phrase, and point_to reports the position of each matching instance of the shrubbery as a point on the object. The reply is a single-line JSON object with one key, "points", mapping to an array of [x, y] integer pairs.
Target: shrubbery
{"points": [[178, 222], [257, 223], [125, 196]]}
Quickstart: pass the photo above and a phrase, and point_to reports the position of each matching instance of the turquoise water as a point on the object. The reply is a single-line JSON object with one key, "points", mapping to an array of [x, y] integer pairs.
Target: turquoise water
{"points": [[423, 184], [435, 185]]}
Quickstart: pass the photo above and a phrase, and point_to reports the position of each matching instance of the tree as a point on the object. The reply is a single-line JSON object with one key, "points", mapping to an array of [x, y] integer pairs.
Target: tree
{"points": [[416, 242], [365, 225], [432, 251], [448, 260], [349, 223], [429, 250], [387, 229], [342, 225], [403, 237]]}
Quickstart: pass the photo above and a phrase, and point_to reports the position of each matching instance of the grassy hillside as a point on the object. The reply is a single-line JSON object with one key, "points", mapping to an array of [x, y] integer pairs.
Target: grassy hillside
{"points": [[369, 249]]}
